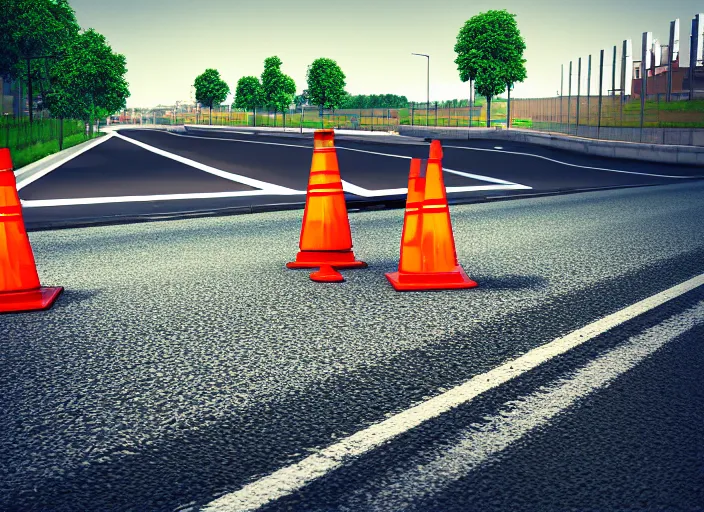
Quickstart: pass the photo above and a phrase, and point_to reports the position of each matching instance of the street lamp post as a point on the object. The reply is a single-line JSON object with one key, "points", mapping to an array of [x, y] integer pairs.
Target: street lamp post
{"points": [[427, 106]]}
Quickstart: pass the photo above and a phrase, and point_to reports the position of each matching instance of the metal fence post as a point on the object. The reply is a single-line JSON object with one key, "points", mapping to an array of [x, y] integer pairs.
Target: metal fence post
{"points": [[562, 83], [569, 100], [471, 104], [613, 75], [644, 78], [589, 83], [693, 55], [436, 114], [601, 89], [579, 88], [670, 56]]}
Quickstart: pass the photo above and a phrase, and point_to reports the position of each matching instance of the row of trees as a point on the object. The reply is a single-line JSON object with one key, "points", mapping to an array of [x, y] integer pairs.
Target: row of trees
{"points": [[275, 90], [76, 72], [489, 55]]}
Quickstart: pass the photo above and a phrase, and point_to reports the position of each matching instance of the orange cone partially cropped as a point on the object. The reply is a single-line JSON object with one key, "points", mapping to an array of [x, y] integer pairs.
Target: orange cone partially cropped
{"points": [[326, 238], [428, 256], [19, 283]]}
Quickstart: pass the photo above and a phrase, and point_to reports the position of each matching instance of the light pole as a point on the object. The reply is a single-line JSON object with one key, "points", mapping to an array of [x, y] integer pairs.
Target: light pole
{"points": [[427, 106]]}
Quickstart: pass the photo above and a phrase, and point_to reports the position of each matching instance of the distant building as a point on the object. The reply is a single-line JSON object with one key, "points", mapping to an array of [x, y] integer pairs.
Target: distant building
{"points": [[657, 75], [686, 80]]}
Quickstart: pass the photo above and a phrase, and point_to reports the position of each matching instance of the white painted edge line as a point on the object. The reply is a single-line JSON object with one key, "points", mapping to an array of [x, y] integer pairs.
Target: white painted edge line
{"points": [[576, 165], [23, 183], [269, 187], [477, 177], [216, 130], [291, 478], [359, 191], [38, 203], [482, 442], [236, 140], [461, 147]]}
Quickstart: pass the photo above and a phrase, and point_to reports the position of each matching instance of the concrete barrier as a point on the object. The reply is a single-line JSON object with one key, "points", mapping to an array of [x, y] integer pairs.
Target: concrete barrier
{"points": [[662, 153]]}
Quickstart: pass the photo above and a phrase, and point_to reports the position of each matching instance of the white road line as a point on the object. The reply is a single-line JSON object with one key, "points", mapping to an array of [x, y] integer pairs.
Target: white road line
{"points": [[225, 131], [292, 478], [574, 165], [363, 192], [269, 187], [483, 442], [23, 183], [240, 140], [39, 203], [482, 178], [354, 189]]}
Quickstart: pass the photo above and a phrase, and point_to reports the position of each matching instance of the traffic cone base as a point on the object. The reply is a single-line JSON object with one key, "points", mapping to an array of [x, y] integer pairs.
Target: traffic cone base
{"points": [[419, 281], [31, 300], [336, 259], [327, 274]]}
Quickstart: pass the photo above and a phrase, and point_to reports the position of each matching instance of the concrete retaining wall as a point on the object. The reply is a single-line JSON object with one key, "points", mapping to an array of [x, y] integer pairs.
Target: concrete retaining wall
{"points": [[665, 153]]}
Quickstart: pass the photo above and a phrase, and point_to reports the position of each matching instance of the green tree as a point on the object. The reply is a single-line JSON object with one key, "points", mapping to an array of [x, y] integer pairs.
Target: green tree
{"points": [[30, 29], [490, 51], [278, 88], [88, 81], [249, 95], [282, 99], [211, 90], [326, 83]]}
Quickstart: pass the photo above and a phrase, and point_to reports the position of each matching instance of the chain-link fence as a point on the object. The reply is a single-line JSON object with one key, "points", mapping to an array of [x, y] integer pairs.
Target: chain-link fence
{"points": [[611, 117], [621, 118]]}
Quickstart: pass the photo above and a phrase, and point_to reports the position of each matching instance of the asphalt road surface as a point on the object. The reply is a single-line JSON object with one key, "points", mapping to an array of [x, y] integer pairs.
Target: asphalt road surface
{"points": [[149, 174], [186, 368]]}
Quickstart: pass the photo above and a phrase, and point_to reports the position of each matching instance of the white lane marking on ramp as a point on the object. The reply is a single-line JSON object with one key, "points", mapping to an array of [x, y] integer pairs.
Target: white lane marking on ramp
{"points": [[38, 203], [364, 192], [518, 417], [294, 477], [575, 165], [354, 189], [21, 183], [240, 140], [269, 187]]}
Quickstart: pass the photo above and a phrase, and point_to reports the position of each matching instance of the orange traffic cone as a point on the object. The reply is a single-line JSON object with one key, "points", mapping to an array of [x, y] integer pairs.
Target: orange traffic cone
{"points": [[326, 238], [19, 283], [428, 256]]}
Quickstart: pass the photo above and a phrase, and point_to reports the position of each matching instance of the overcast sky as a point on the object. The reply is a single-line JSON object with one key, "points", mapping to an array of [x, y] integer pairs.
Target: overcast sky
{"points": [[167, 43]]}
